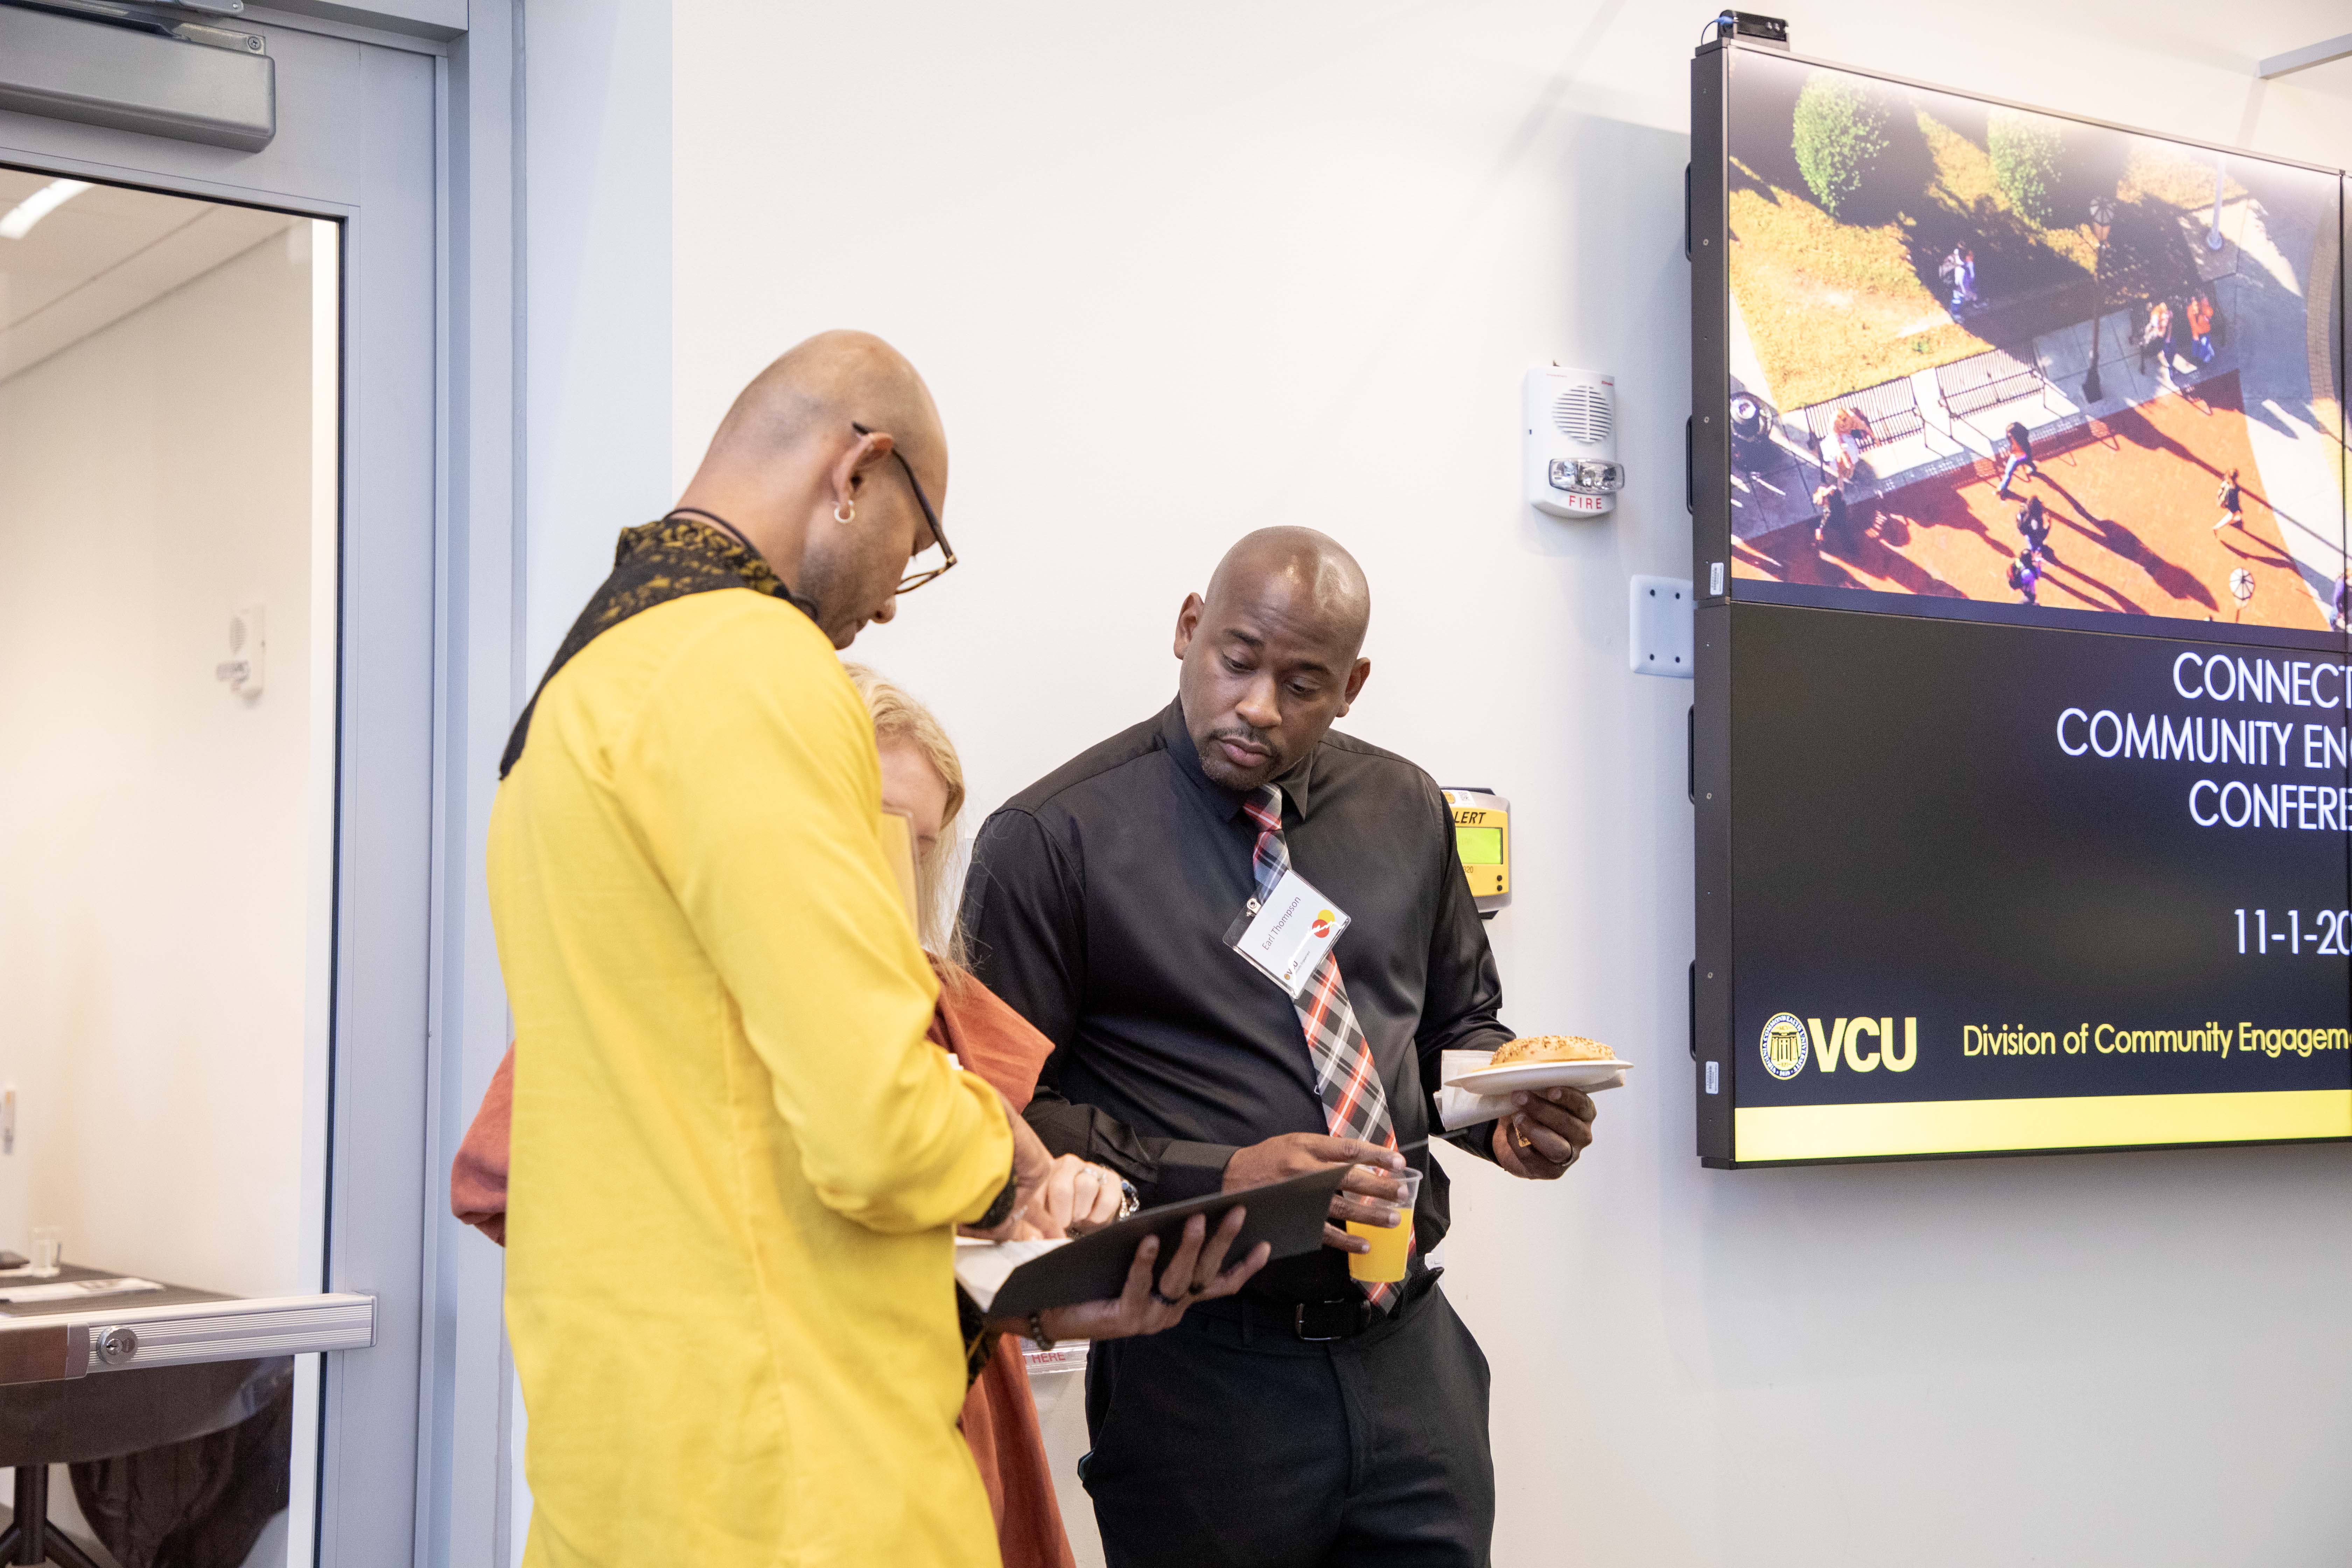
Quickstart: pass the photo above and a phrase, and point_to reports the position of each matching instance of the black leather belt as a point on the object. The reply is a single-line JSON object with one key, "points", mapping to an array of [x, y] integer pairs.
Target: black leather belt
{"points": [[1247, 1315], [1312, 1323], [1337, 1319]]}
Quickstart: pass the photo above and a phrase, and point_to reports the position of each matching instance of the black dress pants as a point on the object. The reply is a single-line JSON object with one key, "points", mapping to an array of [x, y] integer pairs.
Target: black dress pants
{"points": [[1227, 1442]]}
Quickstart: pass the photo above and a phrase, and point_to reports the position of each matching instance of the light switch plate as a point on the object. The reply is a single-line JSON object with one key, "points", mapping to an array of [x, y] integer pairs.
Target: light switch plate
{"points": [[1660, 631]]}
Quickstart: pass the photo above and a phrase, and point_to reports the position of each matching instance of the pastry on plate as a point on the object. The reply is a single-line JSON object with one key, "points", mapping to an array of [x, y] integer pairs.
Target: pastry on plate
{"points": [[1550, 1048]]}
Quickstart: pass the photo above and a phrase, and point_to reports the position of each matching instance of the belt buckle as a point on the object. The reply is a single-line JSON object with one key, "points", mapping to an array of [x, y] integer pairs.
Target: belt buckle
{"points": [[1299, 1324]]}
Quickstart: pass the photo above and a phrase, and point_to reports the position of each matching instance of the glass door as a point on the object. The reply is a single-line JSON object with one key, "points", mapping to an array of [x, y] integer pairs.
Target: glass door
{"points": [[169, 550], [219, 518]]}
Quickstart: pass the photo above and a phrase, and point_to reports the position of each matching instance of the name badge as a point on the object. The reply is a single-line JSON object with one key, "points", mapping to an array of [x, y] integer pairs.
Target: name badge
{"points": [[1286, 934]]}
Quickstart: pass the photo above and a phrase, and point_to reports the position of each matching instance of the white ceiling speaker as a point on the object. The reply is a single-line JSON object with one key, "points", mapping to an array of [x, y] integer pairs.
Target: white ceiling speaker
{"points": [[1571, 433]]}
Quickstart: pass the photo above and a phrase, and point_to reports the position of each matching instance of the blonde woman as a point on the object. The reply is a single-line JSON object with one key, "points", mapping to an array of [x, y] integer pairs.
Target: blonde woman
{"points": [[923, 777], [922, 780]]}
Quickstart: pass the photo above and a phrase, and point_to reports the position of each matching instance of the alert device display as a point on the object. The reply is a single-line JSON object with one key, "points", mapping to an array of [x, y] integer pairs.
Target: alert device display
{"points": [[1482, 833]]}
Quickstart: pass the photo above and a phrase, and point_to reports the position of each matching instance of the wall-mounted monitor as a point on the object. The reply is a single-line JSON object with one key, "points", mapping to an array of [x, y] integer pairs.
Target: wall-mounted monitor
{"points": [[2022, 785]]}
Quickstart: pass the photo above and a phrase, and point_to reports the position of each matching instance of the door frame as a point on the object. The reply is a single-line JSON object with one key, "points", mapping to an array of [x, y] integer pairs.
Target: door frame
{"points": [[413, 1433]]}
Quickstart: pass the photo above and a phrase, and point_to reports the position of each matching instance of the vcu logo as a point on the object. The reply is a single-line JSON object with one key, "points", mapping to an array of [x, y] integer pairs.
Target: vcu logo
{"points": [[1788, 1043], [1784, 1045]]}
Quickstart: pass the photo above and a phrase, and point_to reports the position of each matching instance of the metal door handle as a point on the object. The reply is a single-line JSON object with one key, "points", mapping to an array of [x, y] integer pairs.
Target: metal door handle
{"points": [[52, 1350], [235, 1330]]}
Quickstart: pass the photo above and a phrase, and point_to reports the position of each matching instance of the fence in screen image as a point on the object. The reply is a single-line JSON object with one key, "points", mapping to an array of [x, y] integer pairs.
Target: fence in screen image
{"points": [[1981, 354]]}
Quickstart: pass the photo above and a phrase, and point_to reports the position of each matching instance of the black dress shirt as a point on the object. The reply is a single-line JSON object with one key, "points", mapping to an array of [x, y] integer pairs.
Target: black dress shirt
{"points": [[1098, 906]]}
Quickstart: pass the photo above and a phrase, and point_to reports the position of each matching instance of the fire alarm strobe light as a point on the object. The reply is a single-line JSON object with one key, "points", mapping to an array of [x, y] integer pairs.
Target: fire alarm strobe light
{"points": [[1571, 420]]}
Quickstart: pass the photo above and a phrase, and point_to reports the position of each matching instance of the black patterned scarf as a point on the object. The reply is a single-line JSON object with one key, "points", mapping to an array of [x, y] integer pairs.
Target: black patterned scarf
{"points": [[682, 554]]}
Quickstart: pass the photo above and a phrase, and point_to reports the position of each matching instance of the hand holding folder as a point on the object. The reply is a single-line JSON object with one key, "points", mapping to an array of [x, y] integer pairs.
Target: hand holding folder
{"points": [[1091, 1285]]}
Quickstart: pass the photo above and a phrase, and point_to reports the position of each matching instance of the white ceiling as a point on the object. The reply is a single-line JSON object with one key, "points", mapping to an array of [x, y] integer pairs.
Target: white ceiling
{"points": [[103, 255]]}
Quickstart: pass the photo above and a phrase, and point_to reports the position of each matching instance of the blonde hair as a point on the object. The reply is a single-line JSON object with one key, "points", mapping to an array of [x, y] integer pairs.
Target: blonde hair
{"points": [[900, 720]]}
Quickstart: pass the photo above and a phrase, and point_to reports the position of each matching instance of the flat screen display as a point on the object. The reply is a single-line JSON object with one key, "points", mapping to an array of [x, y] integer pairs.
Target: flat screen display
{"points": [[2021, 767]]}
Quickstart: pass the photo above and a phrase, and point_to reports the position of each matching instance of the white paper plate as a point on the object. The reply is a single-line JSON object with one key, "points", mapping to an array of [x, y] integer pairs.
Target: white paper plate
{"points": [[1537, 1075]]}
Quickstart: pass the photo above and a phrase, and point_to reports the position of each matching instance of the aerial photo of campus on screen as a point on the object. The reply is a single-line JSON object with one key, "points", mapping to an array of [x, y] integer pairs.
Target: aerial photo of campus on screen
{"points": [[1920, 404]]}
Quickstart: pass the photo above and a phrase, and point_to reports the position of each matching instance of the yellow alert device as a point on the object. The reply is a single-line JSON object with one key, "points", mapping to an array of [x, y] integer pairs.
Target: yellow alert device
{"points": [[1482, 833]]}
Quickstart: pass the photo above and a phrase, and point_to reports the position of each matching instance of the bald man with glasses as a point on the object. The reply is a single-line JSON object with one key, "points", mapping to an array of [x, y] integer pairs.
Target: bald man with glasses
{"points": [[736, 1162]]}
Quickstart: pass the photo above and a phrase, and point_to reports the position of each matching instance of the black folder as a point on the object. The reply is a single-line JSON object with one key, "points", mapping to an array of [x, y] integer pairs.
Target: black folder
{"points": [[1287, 1215]]}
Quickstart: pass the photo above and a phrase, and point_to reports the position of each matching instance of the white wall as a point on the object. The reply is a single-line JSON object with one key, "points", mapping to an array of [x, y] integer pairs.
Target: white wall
{"points": [[154, 874], [1179, 273], [596, 286]]}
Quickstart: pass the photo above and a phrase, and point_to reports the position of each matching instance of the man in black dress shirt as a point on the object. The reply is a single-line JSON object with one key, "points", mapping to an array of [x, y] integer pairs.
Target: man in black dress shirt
{"points": [[1309, 1422]]}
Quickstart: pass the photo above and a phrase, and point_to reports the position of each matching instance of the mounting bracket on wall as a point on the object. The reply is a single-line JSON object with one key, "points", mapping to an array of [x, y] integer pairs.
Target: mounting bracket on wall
{"points": [[1660, 627]]}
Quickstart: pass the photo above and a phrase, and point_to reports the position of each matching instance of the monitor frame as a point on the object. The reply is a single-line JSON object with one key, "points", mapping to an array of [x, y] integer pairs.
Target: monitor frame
{"points": [[1707, 500]]}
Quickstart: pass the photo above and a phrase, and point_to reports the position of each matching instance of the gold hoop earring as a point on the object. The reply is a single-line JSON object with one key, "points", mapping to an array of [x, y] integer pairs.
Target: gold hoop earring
{"points": [[844, 513]]}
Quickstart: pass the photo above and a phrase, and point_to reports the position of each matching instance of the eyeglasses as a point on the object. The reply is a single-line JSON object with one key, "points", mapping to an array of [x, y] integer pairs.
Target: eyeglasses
{"points": [[908, 584]]}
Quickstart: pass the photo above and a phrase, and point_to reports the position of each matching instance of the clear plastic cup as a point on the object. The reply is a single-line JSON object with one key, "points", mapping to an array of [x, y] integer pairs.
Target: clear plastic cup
{"points": [[48, 1248], [1385, 1262]]}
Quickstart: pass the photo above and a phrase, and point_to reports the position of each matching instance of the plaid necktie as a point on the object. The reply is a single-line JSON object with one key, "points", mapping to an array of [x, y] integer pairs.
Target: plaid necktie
{"points": [[1354, 1103]]}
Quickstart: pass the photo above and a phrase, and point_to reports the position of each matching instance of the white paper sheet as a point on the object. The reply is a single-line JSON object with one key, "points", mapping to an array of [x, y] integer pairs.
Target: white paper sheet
{"points": [[982, 1267], [74, 1290]]}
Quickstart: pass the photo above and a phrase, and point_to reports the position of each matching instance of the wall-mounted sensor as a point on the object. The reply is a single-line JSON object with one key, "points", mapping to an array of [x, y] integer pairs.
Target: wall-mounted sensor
{"points": [[1571, 420], [248, 642], [1750, 28], [1482, 833]]}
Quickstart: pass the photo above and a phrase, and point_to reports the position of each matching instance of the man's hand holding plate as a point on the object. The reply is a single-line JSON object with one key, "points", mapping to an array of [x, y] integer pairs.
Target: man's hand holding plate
{"points": [[1545, 1133]]}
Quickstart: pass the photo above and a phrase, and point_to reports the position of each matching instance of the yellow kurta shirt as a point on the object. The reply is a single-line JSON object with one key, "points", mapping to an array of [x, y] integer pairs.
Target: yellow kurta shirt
{"points": [[737, 1163]]}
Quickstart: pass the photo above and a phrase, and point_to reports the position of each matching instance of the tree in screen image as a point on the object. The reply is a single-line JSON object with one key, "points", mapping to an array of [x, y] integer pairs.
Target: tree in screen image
{"points": [[2025, 150], [1841, 134]]}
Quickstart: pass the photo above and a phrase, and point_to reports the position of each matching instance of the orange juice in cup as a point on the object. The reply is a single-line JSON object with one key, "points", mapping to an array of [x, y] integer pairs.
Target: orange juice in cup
{"points": [[1385, 1261]]}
